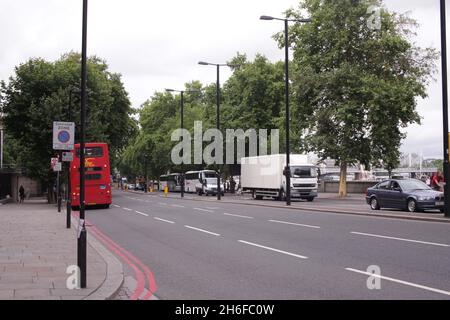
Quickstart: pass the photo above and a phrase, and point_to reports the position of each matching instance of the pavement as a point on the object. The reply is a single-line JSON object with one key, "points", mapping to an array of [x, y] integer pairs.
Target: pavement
{"points": [[206, 249], [36, 249]]}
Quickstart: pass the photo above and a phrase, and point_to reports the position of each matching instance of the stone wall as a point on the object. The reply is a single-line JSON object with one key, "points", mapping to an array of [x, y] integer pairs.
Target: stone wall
{"points": [[352, 186]]}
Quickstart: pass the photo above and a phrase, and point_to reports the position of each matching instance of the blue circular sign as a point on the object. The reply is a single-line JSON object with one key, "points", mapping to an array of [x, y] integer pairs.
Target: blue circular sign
{"points": [[64, 136]]}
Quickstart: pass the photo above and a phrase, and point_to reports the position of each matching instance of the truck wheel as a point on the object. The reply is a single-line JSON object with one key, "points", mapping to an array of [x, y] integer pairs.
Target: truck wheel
{"points": [[281, 196]]}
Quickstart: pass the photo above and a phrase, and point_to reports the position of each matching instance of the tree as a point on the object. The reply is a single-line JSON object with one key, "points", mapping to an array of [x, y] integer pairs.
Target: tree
{"points": [[355, 87], [38, 94]]}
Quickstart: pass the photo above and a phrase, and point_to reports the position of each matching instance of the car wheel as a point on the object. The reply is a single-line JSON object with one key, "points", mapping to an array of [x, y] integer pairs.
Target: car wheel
{"points": [[310, 199], [412, 205], [374, 205]]}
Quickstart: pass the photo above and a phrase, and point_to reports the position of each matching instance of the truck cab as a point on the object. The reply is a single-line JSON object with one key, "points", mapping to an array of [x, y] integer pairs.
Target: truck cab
{"points": [[303, 181]]}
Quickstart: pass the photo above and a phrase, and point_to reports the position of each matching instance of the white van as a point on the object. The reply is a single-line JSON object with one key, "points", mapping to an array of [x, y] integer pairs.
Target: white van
{"points": [[202, 182]]}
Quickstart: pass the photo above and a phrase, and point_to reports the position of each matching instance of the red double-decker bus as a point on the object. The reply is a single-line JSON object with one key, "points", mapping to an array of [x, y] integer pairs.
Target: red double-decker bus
{"points": [[97, 176]]}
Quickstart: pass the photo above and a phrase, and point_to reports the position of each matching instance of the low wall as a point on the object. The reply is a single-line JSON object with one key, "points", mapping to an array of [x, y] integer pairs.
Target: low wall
{"points": [[352, 186]]}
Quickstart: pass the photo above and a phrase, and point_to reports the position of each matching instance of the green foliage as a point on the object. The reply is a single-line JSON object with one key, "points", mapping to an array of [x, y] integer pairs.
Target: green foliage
{"points": [[38, 94], [253, 97]]}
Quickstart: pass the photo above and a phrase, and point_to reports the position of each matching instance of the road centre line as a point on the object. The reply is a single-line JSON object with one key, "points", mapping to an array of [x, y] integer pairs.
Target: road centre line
{"points": [[162, 203], [177, 206], [202, 230], [164, 220], [400, 239], [295, 224], [399, 281], [273, 249], [141, 213], [115, 205], [200, 209], [127, 209], [238, 215]]}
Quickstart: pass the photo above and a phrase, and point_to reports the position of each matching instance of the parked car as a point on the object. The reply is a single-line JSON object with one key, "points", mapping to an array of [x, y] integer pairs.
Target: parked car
{"points": [[131, 186], [407, 194]]}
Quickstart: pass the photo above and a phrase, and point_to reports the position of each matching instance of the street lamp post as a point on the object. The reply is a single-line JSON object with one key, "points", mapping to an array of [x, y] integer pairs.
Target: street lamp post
{"points": [[82, 234], [445, 109], [287, 170], [182, 127], [217, 65]]}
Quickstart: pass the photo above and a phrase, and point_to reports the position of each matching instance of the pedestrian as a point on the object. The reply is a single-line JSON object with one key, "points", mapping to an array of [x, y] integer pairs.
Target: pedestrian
{"points": [[21, 194], [437, 181]]}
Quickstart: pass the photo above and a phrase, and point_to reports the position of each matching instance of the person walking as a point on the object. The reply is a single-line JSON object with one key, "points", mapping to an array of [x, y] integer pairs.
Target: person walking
{"points": [[437, 181], [21, 194]]}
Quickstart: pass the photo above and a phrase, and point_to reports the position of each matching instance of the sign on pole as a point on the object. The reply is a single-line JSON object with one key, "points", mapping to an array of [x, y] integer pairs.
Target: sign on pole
{"points": [[63, 135], [56, 165], [67, 156]]}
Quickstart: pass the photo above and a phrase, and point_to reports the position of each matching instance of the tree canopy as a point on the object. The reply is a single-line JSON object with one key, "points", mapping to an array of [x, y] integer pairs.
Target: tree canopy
{"points": [[38, 94], [355, 87]]}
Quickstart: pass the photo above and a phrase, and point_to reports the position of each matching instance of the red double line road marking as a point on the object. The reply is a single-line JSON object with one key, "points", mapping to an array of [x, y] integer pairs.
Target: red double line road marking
{"points": [[126, 256]]}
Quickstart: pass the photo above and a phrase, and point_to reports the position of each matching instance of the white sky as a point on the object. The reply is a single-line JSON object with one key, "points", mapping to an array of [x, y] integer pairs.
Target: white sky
{"points": [[157, 44]]}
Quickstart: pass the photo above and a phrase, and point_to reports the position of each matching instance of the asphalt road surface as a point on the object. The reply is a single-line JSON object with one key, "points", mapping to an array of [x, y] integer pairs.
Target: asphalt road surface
{"points": [[216, 250]]}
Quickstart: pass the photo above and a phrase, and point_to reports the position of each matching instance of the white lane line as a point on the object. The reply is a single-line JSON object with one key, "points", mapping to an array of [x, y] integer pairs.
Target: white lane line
{"points": [[115, 205], [205, 231], [295, 224], [238, 215], [127, 209], [273, 249], [400, 239], [177, 206], [141, 213], [400, 281], [162, 203], [200, 209], [212, 208], [163, 220]]}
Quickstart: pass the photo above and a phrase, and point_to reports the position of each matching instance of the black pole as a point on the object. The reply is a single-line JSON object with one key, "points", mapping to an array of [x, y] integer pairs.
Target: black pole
{"points": [[145, 174], [82, 235], [58, 183], [69, 191], [287, 170], [218, 127], [445, 109], [182, 127]]}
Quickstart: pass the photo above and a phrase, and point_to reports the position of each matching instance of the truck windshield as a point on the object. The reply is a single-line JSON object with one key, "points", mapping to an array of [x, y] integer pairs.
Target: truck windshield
{"points": [[303, 172]]}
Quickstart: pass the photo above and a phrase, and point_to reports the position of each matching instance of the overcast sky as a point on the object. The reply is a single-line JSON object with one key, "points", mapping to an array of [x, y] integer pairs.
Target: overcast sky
{"points": [[157, 44]]}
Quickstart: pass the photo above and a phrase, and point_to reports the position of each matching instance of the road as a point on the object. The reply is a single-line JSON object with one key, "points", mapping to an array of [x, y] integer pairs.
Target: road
{"points": [[216, 250]]}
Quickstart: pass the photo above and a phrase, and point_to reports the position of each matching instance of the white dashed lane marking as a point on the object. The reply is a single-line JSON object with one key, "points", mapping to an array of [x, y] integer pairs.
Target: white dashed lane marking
{"points": [[273, 249], [238, 216], [164, 220], [400, 239], [295, 224], [204, 231], [400, 281], [142, 214]]}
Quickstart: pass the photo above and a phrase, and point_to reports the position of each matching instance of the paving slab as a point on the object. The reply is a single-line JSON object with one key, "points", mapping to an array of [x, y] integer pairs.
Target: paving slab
{"points": [[36, 249]]}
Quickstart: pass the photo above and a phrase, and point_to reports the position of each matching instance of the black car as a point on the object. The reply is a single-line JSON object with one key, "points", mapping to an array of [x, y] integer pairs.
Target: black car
{"points": [[406, 194]]}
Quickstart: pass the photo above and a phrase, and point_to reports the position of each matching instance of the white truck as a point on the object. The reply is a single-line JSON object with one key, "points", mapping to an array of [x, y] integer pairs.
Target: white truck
{"points": [[263, 177]]}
